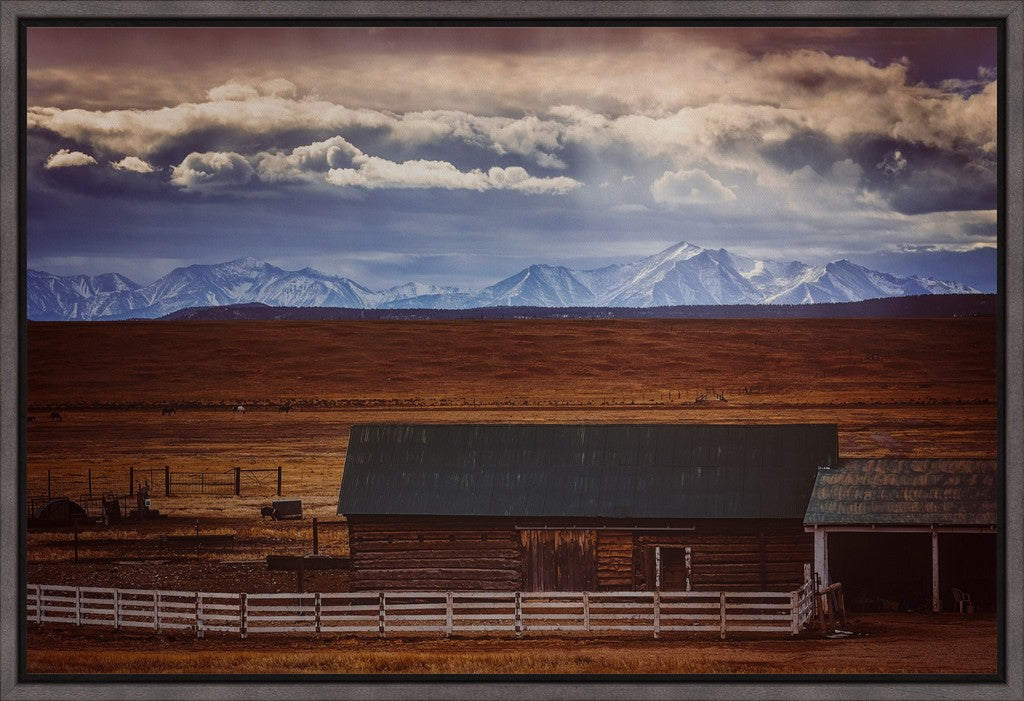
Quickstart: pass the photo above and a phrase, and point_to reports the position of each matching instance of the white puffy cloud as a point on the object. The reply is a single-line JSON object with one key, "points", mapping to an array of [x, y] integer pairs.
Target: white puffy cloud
{"points": [[310, 162], [133, 164], [690, 187], [372, 172], [212, 169], [68, 159]]}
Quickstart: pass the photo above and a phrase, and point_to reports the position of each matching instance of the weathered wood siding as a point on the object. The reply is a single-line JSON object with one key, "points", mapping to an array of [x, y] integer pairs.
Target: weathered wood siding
{"points": [[729, 556], [409, 554], [560, 560], [492, 553], [614, 560]]}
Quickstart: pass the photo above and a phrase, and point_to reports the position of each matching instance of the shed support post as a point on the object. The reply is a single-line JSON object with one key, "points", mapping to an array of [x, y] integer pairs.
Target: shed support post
{"points": [[117, 609], [78, 606], [936, 599], [821, 555]]}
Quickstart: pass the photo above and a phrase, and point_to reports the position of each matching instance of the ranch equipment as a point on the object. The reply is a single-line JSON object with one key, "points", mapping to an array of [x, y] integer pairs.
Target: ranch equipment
{"points": [[58, 512], [300, 563], [283, 510]]}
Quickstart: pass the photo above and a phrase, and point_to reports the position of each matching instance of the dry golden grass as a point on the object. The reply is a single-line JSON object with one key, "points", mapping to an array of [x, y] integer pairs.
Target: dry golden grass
{"points": [[957, 644], [895, 388]]}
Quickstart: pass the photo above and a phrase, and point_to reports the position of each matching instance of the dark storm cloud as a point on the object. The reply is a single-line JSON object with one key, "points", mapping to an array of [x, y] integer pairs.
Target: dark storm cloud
{"points": [[805, 148], [930, 179]]}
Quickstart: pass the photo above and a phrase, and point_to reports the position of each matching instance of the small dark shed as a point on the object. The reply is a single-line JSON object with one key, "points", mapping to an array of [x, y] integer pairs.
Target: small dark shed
{"points": [[907, 531], [581, 507]]}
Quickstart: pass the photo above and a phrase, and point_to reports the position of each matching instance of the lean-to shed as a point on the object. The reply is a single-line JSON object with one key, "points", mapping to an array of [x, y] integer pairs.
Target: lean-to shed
{"points": [[907, 532], [581, 507]]}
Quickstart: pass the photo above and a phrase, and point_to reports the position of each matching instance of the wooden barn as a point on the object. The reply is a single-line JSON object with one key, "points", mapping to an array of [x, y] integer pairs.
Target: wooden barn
{"points": [[581, 507], [907, 532]]}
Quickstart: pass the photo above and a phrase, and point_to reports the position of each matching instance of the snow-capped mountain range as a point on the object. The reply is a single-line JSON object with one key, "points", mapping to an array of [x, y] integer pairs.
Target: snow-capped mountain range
{"points": [[683, 274]]}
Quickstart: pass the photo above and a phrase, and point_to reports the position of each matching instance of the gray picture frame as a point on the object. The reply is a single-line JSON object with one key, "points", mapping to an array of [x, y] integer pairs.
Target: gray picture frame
{"points": [[12, 330]]}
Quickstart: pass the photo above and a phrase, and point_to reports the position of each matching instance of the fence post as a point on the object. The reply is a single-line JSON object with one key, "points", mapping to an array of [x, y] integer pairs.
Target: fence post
{"points": [[156, 611], [794, 609], [380, 616], [721, 612], [448, 615], [519, 614], [316, 612], [316, 538], [243, 615], [167, 480], [117, 609], [586, 611], [278, 480], [199, 614], [89, 473], [78, 606], [131, 479], [238, 481], [657, 614], [39, 605], [49, 494]]}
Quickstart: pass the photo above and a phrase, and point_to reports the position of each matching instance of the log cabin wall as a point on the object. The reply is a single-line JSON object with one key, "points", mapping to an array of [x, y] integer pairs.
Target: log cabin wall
{"points": [[396, 553], [726, 556], [615, 560], [496, 554]]}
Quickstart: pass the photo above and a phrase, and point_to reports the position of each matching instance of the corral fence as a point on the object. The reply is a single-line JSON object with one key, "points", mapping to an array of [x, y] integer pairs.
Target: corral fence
{"points": [[441, 613], [84, 486]]}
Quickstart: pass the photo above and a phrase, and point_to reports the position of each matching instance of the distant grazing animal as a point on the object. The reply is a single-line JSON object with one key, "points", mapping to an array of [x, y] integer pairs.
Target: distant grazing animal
{"points": [[268, 511], [239, 409], [285, 408], [167, 411], [55, 416], [700, 399]]}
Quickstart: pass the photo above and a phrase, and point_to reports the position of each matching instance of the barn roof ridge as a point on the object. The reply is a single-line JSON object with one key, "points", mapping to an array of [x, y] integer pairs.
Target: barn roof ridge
{"points": [[604, 470]]}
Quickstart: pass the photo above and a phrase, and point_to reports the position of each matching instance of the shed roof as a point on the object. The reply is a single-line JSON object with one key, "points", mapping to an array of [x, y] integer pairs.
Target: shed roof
{"points": [[613, 471], [905, 492]]}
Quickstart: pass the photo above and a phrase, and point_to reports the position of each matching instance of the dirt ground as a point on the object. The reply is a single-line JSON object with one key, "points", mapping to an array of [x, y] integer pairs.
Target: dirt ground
{"points": [[904, 388]]}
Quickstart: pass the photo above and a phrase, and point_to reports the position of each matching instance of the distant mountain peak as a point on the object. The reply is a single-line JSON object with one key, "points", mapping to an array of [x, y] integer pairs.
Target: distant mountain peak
{"points": [[682, 274]]}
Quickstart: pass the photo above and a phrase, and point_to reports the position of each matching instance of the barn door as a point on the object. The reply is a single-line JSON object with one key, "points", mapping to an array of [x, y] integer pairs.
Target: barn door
{"points": [[559, 560]]}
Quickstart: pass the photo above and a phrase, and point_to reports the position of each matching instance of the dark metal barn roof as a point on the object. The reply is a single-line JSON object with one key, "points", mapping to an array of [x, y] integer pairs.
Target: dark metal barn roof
{"points": [[613, 471], [905, 492]]}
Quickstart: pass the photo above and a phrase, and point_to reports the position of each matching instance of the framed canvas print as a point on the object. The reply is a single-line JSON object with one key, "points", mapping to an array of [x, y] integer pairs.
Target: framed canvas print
{"points": [[463, 350]]}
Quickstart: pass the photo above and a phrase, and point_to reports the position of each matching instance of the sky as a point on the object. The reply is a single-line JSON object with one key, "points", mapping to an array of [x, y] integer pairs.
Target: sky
{"points": [[460, 155]]}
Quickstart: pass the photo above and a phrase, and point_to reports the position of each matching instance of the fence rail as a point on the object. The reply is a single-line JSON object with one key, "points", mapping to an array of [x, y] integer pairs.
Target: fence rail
{"points": [[443, 613]]}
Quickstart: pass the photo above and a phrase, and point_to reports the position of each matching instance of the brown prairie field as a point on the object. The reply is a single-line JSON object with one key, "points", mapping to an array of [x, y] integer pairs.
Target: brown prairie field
{"points": [[894, 387]]}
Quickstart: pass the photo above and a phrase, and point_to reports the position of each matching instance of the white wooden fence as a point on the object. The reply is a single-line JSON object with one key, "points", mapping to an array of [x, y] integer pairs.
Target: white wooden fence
{"points": [[401, 613]]}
